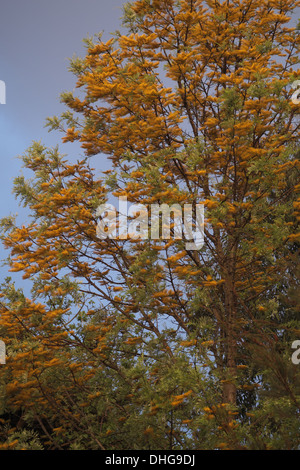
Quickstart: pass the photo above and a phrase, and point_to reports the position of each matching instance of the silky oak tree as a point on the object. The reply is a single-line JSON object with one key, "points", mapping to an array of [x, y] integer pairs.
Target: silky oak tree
{"points": [[192, 105]]}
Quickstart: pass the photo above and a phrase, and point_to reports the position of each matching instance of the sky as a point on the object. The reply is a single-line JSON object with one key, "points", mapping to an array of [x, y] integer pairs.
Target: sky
{"points": [[37, 39]]}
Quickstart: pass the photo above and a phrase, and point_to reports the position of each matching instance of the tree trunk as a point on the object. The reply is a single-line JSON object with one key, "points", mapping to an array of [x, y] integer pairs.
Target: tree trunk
{"points": [[229, 387]]}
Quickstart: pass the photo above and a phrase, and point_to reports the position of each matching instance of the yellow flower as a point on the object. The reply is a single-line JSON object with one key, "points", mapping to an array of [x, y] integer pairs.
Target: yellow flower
{"points": [[207, 409]]}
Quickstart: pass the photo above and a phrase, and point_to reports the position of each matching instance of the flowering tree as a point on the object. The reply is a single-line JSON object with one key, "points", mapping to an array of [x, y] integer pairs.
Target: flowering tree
{"points": [[145, 343]]}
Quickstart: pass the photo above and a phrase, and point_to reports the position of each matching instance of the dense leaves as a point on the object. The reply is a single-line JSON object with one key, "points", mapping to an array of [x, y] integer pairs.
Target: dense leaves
{"points": [[146, 343]]}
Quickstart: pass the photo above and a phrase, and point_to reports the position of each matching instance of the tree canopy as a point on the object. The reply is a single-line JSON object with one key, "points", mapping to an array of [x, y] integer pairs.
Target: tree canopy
{"points": [[129, 343]]}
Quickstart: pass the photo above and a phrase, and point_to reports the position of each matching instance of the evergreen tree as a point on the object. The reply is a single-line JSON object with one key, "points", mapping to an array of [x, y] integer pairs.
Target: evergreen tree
{"points": [[147, 343]]}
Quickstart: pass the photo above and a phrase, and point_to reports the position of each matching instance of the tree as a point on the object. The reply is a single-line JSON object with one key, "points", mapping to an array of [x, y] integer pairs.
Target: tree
{"points": [[197, 339]]}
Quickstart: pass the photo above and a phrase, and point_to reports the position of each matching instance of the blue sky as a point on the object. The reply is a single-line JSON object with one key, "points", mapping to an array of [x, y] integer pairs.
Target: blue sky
{"points": [[37, 38]]}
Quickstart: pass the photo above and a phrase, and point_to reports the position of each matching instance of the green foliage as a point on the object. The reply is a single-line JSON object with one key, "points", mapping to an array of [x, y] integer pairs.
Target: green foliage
{"points": [[145, 344]]}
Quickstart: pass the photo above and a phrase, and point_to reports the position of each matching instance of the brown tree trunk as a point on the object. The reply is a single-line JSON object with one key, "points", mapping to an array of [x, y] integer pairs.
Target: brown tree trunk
{"points": [[229, 387]]}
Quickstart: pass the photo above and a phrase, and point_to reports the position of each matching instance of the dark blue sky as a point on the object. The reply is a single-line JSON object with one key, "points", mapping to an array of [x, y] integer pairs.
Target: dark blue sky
{"points": [[37, 38]]}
